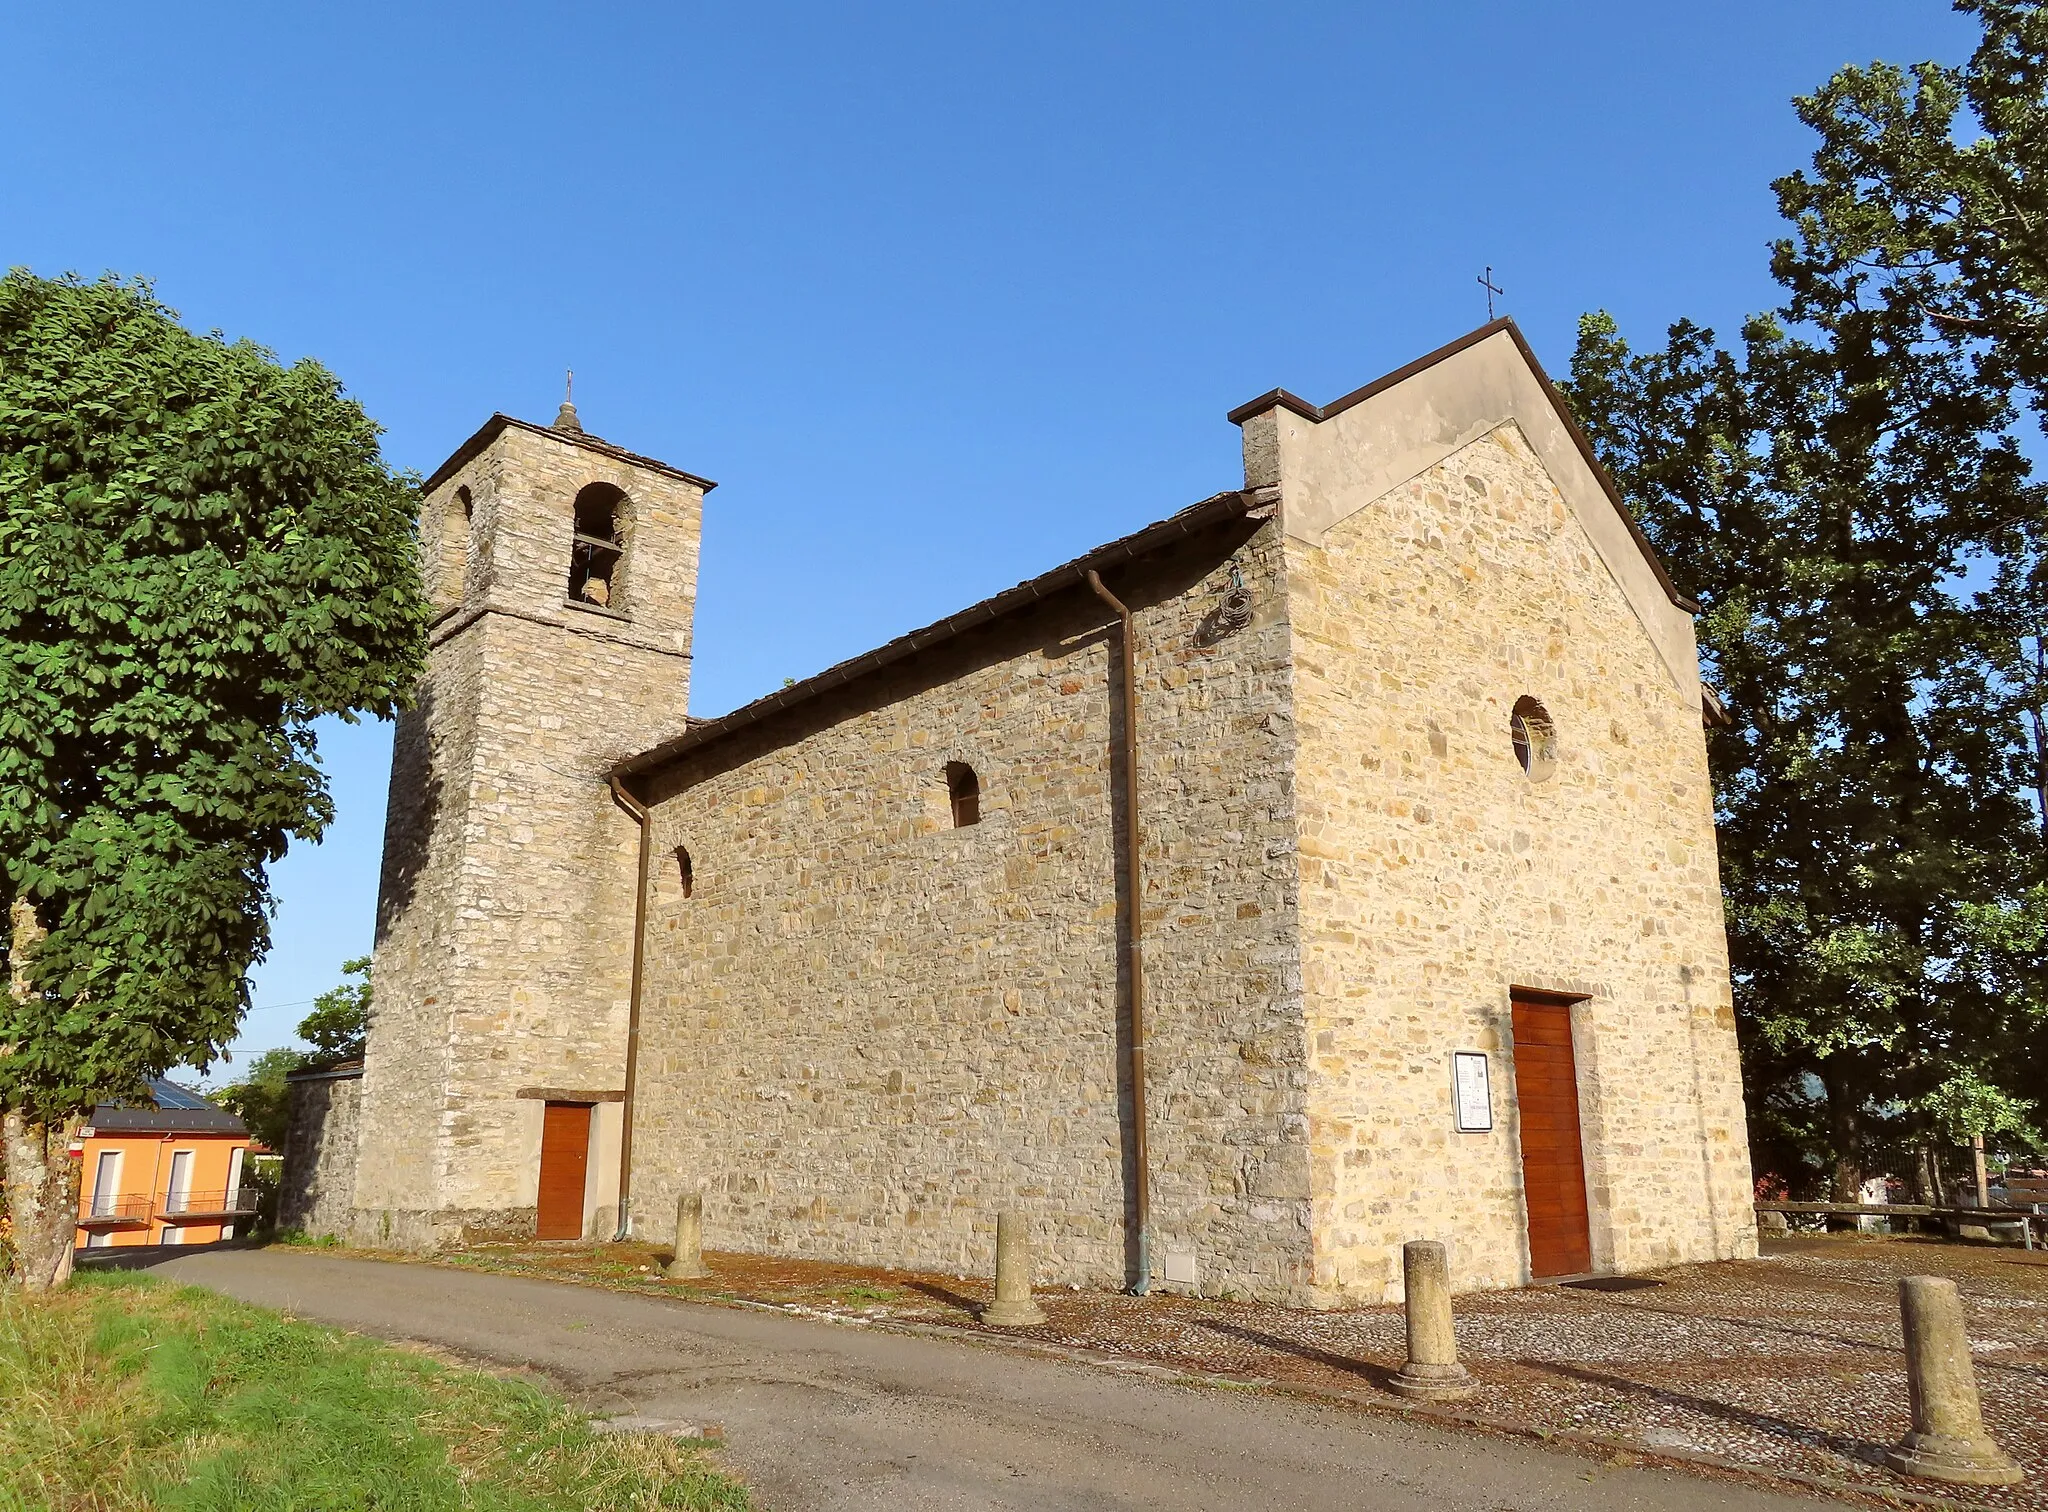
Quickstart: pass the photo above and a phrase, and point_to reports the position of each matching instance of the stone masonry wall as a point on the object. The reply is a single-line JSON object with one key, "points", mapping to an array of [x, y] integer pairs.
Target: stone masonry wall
{"points": [[505, 920], [406, 1060], [866, 1031], [317, 1192], [1436, 874]]}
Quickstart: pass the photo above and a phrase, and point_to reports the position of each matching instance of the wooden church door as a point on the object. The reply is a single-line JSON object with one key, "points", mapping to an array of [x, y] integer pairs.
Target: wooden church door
{"points": [[564, 1161], [1553, 1153]]}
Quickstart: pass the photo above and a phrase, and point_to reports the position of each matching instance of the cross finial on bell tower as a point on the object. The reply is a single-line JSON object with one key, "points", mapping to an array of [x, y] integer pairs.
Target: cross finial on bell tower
{"points": [[565, 418]]}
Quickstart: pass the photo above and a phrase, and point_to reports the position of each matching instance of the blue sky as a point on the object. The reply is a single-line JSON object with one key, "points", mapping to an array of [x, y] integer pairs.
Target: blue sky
{"points": [[942, 295]]}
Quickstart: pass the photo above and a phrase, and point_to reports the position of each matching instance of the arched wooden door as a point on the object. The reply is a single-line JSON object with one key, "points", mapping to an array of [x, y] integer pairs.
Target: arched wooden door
{"points": [[1553, 1151]]}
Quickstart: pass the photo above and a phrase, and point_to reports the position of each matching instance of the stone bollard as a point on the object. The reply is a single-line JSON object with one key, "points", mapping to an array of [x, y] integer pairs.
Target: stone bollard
{"points": [[1013, 1307], [1432, 1372], [1948, 1441], [688, 1264]]}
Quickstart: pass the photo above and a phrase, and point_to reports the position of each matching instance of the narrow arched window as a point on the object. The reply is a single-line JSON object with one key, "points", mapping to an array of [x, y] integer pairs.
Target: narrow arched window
{"points": [[455, 528], [598, 547], [963, 789], [686, 876], [1534, 737]]}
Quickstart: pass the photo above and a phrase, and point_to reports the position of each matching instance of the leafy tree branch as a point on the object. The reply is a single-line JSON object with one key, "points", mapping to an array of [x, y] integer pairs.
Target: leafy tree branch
{"points": [[201, 554]]}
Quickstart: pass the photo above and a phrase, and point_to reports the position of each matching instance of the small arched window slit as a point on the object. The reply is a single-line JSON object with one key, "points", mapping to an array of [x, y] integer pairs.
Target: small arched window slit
{"points": [[963, 790], [686, 878]]}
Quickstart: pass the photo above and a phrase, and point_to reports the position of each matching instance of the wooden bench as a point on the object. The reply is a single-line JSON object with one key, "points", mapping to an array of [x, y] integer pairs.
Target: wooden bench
{"points": [[1984, 1217]]}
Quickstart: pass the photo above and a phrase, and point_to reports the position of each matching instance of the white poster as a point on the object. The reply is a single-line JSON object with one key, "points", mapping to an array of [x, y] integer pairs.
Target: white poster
{"points": [[1471, 1091]]}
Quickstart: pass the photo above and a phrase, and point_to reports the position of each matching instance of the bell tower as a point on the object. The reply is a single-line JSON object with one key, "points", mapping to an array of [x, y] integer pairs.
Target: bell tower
{"points": [[563, 574]]}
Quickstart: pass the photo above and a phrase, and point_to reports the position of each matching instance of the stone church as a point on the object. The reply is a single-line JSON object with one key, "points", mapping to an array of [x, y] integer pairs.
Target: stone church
{"points": [[1328, 865]]}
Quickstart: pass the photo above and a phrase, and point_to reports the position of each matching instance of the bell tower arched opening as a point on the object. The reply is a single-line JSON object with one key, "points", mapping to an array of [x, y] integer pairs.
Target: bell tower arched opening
{"points": [[597, 548]]}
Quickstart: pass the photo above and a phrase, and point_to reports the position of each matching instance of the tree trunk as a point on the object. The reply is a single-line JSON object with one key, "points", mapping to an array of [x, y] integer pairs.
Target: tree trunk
{"points": [[2040, 765], [36, 1167], [2040, 732], [1847, 1133], [42, 1197]]}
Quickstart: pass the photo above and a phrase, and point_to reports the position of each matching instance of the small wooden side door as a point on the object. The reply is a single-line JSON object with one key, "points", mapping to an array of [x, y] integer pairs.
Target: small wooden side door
{"points": [[564, 1161], [1553, 1152]]}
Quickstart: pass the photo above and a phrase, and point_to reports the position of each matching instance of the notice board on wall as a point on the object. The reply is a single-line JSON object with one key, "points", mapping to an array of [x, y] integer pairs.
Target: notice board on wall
{"points": [[1471, 1091]]}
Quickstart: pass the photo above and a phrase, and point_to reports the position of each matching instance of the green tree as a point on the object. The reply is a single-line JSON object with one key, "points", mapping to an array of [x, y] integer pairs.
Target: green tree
{"points": [[339, 1026], [1847, 496], [260, 1096], [337, 1029], [201, 554]]}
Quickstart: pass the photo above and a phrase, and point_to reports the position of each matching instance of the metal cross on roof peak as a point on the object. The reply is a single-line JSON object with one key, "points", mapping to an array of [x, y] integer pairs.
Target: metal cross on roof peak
{"points": [[1486, 282]]}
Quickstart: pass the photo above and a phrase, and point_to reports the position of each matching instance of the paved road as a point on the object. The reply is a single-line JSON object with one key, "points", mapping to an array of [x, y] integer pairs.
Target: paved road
{"points": [[825, 1416]]}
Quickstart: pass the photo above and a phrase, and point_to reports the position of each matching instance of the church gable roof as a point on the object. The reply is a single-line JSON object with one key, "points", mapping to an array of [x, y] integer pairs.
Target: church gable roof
{"points": [[1331, 461], [1390, 430]]}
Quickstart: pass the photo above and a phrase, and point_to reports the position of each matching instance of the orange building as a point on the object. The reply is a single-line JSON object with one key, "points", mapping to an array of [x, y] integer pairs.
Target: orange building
{"points": [[168, 1174]]}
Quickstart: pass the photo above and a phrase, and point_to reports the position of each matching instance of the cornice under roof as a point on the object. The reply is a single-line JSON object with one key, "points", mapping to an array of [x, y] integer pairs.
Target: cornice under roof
{"points": [[1154, 537], [492, 428]]}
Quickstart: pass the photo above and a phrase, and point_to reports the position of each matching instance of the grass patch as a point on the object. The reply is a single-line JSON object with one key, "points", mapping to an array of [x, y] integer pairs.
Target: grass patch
{"points": [[119, 1392], [862, 1291]]}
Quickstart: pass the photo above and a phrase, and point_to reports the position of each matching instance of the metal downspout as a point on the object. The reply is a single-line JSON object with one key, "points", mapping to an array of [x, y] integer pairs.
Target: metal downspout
{"points": [[638, 810], [1134, 938]]}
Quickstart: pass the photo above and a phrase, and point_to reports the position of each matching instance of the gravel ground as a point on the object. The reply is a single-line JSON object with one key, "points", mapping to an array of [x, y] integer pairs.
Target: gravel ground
{"points": [[1787, 1363]]}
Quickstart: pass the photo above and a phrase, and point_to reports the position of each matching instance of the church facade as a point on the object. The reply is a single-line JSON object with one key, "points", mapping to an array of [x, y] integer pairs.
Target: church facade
{"points": [[1329, 865]]}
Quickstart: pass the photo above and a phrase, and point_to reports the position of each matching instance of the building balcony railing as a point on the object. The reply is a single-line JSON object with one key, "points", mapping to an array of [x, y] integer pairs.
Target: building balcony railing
{"points": [[207, 1207], [114, 1212]]}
